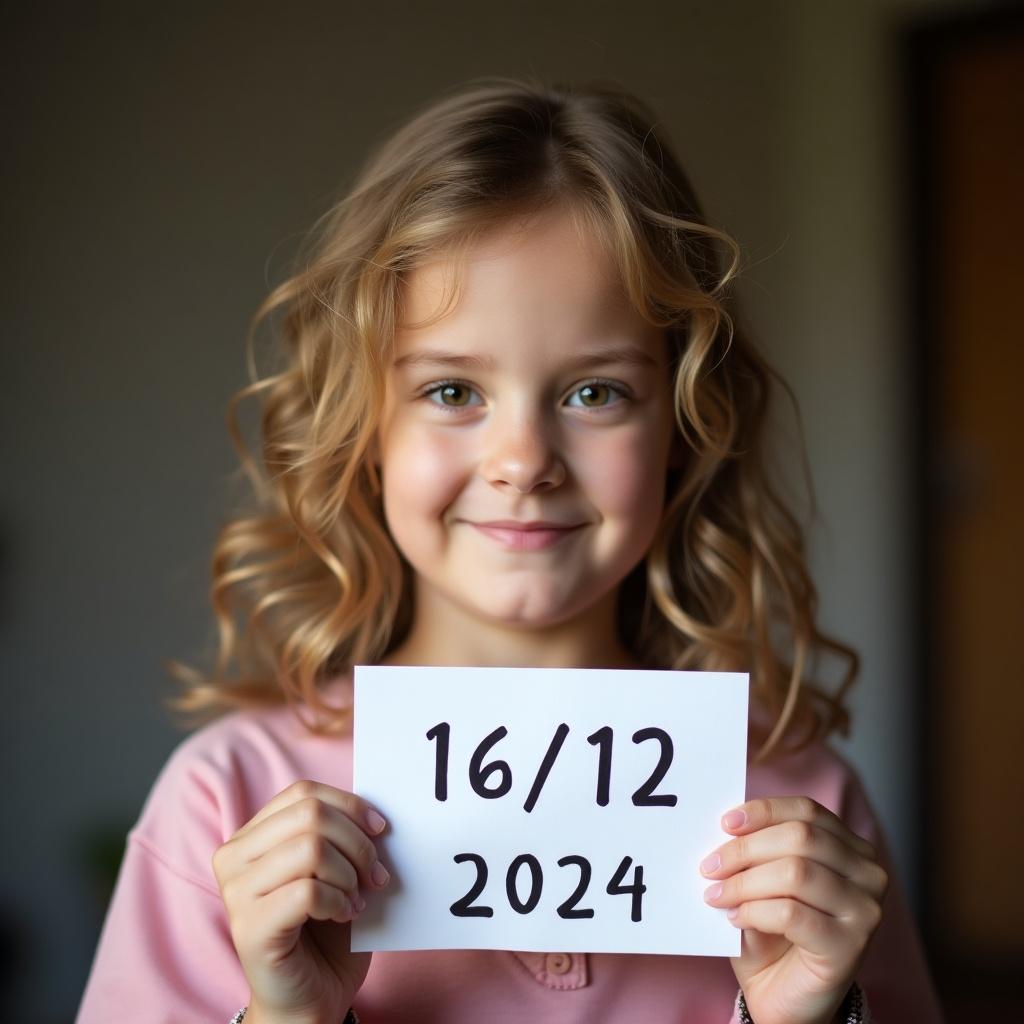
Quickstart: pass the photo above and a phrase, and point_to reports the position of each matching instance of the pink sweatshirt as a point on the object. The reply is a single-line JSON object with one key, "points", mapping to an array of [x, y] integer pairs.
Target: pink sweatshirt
{"points": [[165, 954]]}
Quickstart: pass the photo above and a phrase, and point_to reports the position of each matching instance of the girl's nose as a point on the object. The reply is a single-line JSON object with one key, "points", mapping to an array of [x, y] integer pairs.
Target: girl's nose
{"points": [[521, 454]]}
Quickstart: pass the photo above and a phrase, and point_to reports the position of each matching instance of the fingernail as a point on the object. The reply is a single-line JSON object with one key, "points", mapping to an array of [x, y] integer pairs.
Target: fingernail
{"points": [[359, 903], [375, 821], [732, 912], [710, 863], [735, 819], [379, 873], [712, 892]]}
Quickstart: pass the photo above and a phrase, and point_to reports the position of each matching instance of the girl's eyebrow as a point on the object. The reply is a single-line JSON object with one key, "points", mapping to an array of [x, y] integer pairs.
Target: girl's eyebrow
{"points": [[626, 355]]}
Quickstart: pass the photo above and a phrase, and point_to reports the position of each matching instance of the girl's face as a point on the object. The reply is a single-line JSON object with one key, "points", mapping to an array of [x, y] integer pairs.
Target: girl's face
{"points": [[525, 436]]}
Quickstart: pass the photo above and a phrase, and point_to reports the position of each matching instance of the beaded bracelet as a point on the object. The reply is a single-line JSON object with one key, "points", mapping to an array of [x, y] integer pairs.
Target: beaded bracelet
{"points": [[350, 1017], [851, 1010]]}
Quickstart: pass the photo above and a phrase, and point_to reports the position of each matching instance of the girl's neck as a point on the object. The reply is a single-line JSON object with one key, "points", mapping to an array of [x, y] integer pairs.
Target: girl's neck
{"points": [[443, 633]]}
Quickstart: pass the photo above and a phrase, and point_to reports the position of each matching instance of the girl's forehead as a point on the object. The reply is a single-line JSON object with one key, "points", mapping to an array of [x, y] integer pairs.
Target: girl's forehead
{"points": [[543, 267]]}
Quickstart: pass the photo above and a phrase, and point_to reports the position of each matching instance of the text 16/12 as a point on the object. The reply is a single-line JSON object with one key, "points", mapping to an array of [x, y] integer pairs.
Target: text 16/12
{"points": [[603, 739]]}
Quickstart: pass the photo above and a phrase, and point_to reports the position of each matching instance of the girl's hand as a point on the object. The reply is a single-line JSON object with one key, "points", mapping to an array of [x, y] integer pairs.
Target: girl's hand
{"points": [[290, 880], [808, 895]]}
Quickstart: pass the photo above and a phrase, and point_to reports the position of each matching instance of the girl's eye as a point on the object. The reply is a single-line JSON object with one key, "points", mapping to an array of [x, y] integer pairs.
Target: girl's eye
{"points": [[595, 395], [451, 394]]}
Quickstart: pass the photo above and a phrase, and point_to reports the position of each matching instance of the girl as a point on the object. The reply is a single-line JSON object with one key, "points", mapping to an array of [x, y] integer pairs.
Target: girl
{"points": [[515, 423]]}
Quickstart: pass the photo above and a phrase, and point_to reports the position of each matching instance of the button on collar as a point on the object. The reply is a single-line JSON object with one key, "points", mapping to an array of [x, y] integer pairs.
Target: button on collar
{"points": [[564, 971], [558, 963]]}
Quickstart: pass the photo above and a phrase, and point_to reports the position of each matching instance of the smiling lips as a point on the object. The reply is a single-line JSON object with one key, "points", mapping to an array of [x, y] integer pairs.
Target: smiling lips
{"points": [[533, 536]]}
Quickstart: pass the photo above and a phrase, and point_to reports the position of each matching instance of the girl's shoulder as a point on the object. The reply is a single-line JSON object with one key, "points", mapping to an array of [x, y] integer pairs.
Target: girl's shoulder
{"points": [[233, 739]]}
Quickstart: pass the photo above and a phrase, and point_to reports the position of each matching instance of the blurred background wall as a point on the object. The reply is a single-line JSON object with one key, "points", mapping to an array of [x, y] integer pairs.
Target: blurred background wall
{"points": [[161, 162]]}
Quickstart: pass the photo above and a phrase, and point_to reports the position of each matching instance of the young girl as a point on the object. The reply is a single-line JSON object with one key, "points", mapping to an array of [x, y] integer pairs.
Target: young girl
{"points": [[515, 423]]}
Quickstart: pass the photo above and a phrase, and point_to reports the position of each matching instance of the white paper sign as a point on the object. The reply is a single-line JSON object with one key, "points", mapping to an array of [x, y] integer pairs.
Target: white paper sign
{"points": [[548, 809]]}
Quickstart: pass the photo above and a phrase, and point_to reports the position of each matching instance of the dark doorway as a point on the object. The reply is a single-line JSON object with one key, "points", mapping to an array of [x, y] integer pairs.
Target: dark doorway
{"points": [[966, 247]]}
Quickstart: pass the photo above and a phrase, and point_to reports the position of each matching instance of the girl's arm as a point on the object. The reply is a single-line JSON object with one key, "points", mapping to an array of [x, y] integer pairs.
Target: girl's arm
{"points": [[895, 974], [165, 953]]}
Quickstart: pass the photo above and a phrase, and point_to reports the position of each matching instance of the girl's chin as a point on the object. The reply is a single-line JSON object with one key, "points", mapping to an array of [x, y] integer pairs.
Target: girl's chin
{"points": [[527, 613]]}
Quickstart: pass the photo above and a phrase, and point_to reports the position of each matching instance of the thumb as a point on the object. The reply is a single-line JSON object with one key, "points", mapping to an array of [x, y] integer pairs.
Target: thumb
{"points": [[334, 941], [757, 951]]}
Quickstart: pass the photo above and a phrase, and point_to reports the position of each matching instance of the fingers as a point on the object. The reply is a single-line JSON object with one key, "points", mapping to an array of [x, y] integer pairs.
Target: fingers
{"points": [[795, 869], [362, 813], [308, 830], [308, 856], [290, 906], [300, 826], [801, 839], [304, 857], [798, 879], [766, 811], [267, 929], [818, 933]]}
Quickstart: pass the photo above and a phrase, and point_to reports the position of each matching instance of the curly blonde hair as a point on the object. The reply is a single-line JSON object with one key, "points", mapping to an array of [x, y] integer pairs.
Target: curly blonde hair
{"points": [[310, 568]]}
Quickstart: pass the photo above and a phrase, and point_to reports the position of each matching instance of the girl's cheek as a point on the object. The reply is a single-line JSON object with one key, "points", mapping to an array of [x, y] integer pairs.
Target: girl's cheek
{"points": [[423, 469], [628, 477]]}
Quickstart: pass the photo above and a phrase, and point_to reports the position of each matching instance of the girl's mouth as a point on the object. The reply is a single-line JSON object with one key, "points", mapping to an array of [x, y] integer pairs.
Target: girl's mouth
{"points": [[525, 536]]}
